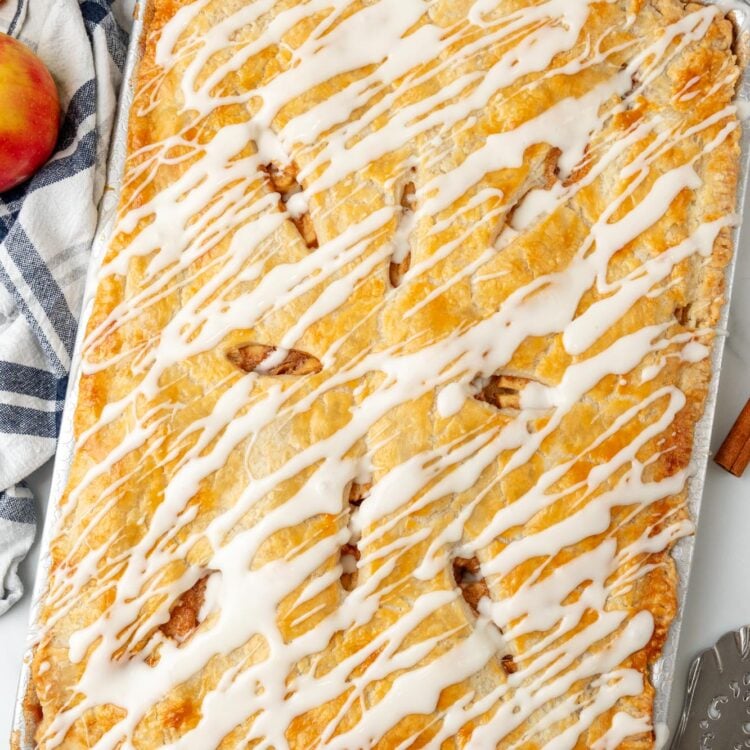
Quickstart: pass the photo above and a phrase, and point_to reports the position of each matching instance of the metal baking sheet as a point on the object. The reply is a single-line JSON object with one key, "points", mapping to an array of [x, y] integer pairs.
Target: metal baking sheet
{"points": [[664, 669]]}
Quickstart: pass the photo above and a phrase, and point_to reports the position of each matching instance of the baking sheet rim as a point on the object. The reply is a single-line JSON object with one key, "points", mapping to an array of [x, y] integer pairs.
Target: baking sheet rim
{"points": [[663, 670]]}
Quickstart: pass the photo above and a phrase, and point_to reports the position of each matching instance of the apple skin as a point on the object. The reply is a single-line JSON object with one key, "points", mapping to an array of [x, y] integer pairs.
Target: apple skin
{"points": [[29, 113]]}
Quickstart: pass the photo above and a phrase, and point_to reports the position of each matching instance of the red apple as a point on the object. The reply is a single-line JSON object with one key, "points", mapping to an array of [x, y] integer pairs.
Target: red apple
{"points": [[29, 113]]}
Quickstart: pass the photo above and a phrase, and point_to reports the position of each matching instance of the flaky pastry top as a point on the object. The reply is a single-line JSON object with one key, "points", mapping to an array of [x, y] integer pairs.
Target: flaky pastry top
{"points": [[388, 389]]}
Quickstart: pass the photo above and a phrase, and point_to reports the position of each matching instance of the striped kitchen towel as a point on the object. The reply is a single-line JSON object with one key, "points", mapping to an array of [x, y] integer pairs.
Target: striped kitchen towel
{"points": [[46, 229]]}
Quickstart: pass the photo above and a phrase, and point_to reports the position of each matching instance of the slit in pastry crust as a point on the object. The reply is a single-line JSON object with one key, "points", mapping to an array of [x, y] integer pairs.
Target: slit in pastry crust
{"points": [[270, 360], [283, 180], [503, 391], [350, 554], [401, 259], [184, 617]]}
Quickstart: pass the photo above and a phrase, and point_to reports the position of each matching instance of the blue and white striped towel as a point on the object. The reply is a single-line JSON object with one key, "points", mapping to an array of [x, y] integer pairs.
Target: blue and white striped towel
{"points": [[46, 229]]}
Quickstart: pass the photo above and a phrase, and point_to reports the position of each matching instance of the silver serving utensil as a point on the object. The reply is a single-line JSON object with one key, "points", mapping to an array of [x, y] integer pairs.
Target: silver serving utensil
{"points": [[716, 712]]}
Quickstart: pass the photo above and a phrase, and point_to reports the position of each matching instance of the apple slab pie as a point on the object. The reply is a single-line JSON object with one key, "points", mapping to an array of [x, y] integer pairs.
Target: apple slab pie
{"points": [[388, 388]]}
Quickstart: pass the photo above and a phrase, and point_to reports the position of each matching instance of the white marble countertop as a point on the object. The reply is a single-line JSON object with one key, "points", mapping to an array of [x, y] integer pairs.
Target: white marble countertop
{"points": [[719, 594]]}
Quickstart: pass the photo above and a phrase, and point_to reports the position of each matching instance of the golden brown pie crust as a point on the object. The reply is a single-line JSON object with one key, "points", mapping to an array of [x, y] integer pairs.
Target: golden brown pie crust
{"points": [[472, 252]]}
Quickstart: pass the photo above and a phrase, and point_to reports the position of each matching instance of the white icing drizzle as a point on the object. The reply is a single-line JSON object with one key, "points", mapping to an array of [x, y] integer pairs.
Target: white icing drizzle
{"points": [[558, 559]]}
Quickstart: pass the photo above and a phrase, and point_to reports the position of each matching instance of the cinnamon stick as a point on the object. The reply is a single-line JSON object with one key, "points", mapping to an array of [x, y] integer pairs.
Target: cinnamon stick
{"points": [[734, 454]]}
